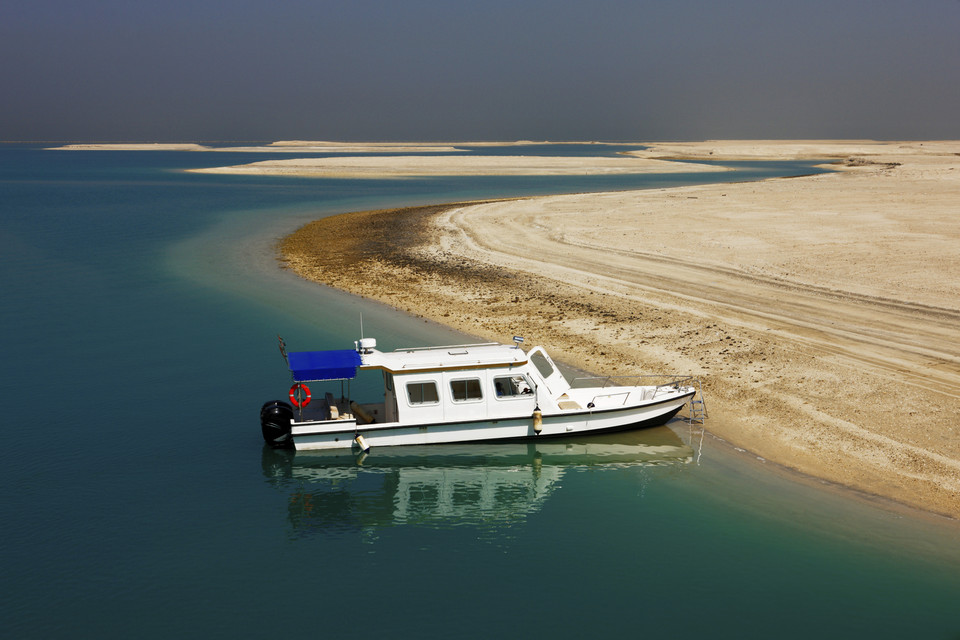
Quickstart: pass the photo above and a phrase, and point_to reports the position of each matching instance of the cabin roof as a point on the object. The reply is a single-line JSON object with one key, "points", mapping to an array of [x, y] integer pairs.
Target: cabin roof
{"points": [[469, 356]]}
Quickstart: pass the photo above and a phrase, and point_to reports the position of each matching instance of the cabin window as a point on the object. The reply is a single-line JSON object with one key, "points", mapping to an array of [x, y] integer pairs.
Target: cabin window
{"points": [[465, 390], [542, 364], [422, 393], [511, 386]]}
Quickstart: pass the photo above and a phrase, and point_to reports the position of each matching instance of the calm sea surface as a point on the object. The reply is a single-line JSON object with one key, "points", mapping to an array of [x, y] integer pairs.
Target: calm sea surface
{"points": [[140, 312]]}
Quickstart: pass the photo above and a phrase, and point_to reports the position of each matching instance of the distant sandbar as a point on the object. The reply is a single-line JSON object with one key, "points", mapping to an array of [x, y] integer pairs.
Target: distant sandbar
{"points": [[127, 146], [459, 165]]}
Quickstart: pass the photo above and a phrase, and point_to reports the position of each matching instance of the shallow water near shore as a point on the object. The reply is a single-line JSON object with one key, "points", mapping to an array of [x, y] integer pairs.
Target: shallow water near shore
{"points": [[141, 308]]}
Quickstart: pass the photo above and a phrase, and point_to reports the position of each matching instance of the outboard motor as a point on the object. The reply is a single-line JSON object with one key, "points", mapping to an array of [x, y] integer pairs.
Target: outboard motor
{"points": [[275, 418]]}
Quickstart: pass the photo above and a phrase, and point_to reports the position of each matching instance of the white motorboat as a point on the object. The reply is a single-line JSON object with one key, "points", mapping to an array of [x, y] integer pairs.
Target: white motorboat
{"points": [[463, 393]]}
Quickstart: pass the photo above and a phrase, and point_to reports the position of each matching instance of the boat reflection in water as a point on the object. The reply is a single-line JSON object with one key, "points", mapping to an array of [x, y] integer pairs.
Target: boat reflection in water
{"points": [[450, 485]]}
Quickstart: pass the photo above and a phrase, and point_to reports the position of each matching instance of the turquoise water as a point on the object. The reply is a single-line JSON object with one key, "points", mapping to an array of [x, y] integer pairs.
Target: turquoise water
{"points": [[140, 313]]}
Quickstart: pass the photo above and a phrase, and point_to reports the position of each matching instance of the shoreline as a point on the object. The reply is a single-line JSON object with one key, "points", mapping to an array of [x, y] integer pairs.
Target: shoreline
{"points": [[838, 358]]}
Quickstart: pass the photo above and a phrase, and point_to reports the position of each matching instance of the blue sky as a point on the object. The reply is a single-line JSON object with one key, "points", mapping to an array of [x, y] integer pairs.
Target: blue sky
{"points": [[486, 70]]}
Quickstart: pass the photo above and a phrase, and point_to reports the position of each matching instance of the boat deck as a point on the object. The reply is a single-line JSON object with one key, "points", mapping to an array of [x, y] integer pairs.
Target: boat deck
{"points": [[331, 408]]}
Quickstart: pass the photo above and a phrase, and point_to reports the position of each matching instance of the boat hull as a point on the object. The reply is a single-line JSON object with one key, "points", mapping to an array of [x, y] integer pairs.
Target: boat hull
{"points": [[341, 434]]}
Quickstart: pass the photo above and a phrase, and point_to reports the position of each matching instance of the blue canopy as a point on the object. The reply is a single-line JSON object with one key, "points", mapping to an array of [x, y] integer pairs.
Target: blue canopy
{"points": [[324, 365]]}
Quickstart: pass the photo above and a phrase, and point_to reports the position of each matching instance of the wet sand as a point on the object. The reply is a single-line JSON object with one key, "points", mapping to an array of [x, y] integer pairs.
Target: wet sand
{"points": [[821, 312]]}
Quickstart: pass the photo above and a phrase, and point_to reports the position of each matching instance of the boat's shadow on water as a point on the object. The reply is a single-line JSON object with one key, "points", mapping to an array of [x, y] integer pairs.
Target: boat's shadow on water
{"points": [[450, 485]]}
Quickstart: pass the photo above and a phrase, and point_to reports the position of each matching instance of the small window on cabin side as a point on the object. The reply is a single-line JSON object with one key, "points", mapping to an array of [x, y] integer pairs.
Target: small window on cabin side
{"points": [[464, 390], [422, 393], [511, 386], [542, 364]]}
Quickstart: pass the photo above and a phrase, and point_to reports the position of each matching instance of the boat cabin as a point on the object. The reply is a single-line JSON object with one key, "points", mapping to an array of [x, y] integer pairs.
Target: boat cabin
{"points": [[435, 384]]}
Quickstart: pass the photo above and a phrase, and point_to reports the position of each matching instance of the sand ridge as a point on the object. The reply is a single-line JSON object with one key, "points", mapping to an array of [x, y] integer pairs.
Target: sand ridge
{"points": [[822, 312]]}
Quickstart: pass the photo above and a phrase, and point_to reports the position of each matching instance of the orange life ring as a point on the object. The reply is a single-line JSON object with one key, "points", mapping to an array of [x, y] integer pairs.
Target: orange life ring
{"points": [[306, 395]]}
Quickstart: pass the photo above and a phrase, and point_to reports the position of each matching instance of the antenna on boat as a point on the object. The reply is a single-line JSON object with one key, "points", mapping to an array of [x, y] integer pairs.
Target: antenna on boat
{"points": [[283, 350], [364, 345]]}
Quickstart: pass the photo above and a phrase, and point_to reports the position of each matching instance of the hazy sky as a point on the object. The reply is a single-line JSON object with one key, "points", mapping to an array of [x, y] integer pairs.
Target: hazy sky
{"points": [[486, 70]]}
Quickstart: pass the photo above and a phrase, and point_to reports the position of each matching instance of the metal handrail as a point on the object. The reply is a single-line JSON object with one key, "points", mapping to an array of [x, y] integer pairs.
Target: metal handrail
{"points": [[675, 380], [625, 394], [449, 346]]}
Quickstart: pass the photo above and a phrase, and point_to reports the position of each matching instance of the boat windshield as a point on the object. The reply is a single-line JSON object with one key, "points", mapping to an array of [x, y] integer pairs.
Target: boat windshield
{"points": [[542, 364]]}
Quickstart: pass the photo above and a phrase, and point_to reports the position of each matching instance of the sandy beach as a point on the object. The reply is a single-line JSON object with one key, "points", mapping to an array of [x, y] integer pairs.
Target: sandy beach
{"points": [[822, 312]]}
